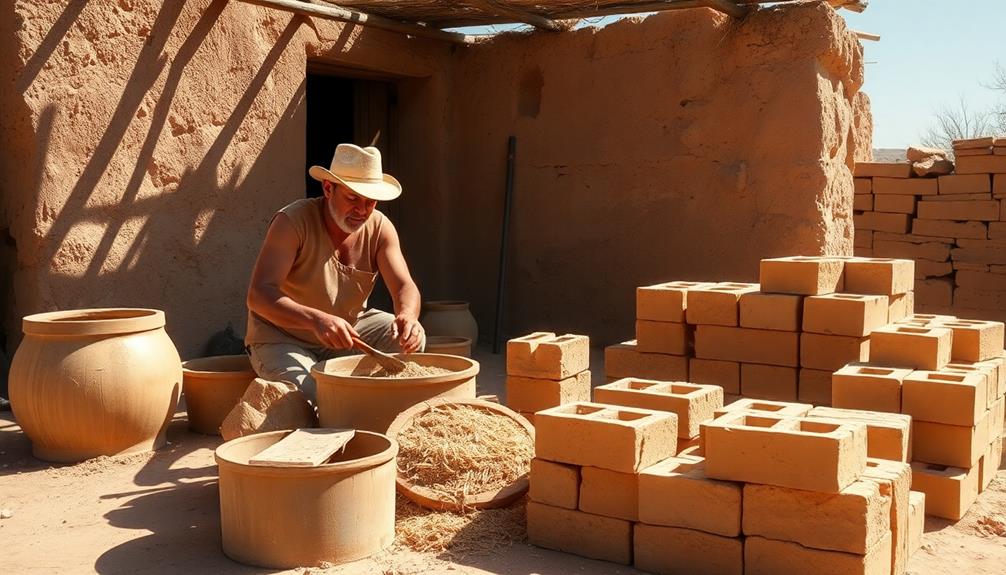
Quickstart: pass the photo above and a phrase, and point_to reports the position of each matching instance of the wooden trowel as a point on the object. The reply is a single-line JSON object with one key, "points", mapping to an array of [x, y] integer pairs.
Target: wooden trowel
{"points": [[388, 362]]}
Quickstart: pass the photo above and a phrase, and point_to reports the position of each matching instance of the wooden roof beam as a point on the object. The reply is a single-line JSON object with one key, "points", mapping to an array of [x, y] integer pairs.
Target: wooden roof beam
{"points": [[727, 6], [540, 22], [332, 12]]}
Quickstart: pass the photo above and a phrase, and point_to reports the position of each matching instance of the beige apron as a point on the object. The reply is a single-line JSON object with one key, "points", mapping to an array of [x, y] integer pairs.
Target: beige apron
{"points": [[317, 278]]}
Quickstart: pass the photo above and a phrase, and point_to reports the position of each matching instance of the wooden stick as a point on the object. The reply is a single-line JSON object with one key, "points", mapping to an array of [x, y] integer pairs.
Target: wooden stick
{"points": [[866, 36], [333, 12], [610, 10], [524, 16]]}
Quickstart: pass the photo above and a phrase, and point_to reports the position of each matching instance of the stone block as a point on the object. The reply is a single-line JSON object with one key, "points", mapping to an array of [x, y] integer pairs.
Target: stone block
{"points": [[894, 204], [945, 397], [675, 551], [726, 374], [888, 435], [883, 170], [526, 394], [879, 276], [747, 345], [692, 403], [953, 445], [625, 360], [994, 164], [916, 520], [911, 347], [544, 355], [801, 275], [554, 484], [663, 337], [903, 187], [666, 301], [814, 386], [950, 229], [965, 184], [895, 481], [771, 382], [937, 251], [677, 493], [717, 304], [621, 439], [579, 533], [868, 387], [831, 352], [950, 491], [773, 311], [978, 211], [770, 557], [846, 314], [975, 340], [609, 493]]}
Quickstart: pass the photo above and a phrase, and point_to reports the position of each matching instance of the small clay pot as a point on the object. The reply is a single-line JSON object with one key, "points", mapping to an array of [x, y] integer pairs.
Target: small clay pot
{"points": [[449, 317], [449, 345], [212, 387]]}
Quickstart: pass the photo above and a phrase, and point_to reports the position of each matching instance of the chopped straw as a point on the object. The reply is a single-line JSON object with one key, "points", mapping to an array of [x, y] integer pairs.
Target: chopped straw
{"points": [[458, 533]]}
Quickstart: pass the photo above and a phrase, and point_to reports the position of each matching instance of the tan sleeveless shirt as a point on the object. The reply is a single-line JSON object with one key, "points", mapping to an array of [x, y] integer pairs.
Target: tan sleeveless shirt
{"points": [[317, 278]]}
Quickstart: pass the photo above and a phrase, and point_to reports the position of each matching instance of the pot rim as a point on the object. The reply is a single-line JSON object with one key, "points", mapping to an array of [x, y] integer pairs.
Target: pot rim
{"points": [[93, 321], [447, 340], [326, 378], [201, 367], [224, 460], [446, 304]]}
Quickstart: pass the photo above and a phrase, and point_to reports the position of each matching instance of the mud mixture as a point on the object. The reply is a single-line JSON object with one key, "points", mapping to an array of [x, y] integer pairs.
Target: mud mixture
{"points": [[412, 369]]}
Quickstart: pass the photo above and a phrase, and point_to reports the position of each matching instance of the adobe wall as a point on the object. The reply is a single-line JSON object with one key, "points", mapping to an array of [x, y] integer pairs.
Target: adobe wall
{"points": [[146, 145], [684, 146]]}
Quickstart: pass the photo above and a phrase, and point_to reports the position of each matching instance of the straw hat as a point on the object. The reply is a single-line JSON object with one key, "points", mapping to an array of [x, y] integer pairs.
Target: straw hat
{"points": [[359, 169]]}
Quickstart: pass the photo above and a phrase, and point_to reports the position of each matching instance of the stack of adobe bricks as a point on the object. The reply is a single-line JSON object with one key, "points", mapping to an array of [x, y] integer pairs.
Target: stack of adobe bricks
{"points": [[949, 375], [779, 340], [545, 370], [953, 225], [774, 487]]}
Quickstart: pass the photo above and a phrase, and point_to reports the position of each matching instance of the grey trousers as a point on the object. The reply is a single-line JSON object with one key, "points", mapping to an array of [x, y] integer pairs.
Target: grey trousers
{"points": [[291, 363]]}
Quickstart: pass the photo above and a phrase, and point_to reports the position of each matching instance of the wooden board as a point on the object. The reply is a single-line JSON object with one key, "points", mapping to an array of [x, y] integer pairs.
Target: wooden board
{"points": [[304, 448]]}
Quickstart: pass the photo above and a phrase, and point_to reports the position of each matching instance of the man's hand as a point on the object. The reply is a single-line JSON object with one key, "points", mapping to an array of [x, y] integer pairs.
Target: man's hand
{"points": [[408, 332], [333, 331]]}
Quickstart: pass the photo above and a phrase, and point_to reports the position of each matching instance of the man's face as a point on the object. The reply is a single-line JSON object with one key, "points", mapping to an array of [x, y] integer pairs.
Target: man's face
{"points": [[349, 209]]}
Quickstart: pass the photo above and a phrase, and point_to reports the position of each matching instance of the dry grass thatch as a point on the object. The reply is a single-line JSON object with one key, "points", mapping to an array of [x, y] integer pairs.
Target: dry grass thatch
{"points": [[458, 534]]}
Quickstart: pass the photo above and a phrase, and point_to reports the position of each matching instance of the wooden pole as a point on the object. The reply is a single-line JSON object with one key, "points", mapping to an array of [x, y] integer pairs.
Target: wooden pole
{"points": [[726, 6], [524, 16]]}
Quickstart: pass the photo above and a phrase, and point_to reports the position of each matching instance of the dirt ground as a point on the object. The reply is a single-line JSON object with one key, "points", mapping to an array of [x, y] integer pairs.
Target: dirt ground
{"points": [[158, 513]]}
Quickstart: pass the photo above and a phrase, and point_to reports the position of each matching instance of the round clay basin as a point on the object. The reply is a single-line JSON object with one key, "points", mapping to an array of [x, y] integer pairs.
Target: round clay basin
{"points": [[349, 400], [286, 517], [449, 345], [435, 500], [212, 387]]}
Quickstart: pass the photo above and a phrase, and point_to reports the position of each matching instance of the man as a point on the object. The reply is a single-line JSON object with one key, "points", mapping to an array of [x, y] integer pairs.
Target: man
{"points": [[317, 267]]}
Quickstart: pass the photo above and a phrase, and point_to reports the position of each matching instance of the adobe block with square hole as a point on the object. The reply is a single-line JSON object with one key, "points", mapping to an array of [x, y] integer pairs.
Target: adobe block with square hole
{"points": [[880, 276], [911, 347], [900, 306], [888, 435], [774, 311], [747, 345], [787, 452], [770, 557], [950, 491], [677, 493], [975, 340], [895, 481], [663, 337], [579, 533], [956, 445], [529, 394], [717, 304], [814, 386], [773, 382], [765, 407], [625, 360], [844, 314], [554, 484], [623, 439], [726, 374], [916, 520], [544, 355], [676, 551], [831, 352], [666, 301], [862, 386], [801, 275], [853, 520], [988, 370], [1000, 364], [692, 403], [945, 397], [609, 493]]}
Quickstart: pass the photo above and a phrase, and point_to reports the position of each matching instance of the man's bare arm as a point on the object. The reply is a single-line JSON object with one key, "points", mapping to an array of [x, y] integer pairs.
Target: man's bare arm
{"points": [[404, 292]]}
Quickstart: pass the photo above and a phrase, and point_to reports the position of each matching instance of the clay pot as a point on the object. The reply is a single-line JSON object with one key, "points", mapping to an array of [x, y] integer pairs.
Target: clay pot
{"points": [[285, 517], [435, 500], [449, 345], [212, 387], [449, 318], [95, 382], [352, 401]]}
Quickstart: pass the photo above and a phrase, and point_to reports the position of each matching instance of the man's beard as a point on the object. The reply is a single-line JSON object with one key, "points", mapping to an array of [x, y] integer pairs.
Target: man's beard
{"points": [[344, 225]]}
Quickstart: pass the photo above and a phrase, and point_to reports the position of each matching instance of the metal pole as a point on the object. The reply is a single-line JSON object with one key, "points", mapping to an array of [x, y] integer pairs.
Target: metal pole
{"points": [[504, 241]]}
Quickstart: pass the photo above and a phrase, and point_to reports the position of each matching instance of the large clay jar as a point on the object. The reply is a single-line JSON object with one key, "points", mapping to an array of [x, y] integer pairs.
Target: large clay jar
{"points": [[95, 382], [449, 345], [286, 517], [449, 318], [212, 387]]}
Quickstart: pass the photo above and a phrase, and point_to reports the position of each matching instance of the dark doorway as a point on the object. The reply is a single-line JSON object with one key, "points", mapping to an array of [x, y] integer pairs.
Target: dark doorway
{"points": [[329, 122]]}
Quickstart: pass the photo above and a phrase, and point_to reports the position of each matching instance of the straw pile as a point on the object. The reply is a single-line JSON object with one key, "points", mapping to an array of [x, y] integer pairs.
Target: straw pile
{"points": [[459, 450], [464, 533]]}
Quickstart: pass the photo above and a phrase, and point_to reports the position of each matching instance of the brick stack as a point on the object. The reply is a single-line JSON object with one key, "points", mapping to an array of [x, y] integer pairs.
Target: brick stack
{"points": [[949, 375], [953, 226], [545, 370]]}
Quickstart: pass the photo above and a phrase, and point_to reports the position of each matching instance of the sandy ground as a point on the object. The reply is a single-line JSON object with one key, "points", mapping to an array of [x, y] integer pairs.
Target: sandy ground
{"points": [[158, 513]]}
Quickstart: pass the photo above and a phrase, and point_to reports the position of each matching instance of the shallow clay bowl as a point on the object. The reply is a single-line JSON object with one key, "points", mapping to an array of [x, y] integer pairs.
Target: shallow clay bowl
{"points": [[434, 500]]}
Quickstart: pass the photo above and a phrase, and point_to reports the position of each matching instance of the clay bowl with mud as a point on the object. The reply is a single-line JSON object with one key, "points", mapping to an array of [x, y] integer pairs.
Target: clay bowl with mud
{"points": [[354, 392], [212, 386], [459, 454]]}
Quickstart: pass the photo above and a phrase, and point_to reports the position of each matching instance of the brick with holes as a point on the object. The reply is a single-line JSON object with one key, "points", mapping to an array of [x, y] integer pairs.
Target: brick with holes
{"points": [[692, 403], [584, 534], [953, 398], [844, 314], [666, 301], [911, 347], [888, 435], [677, 493], [869, 387], [625, 360], [950, 491], [717, 304], [554, 484], [801, 275], [544, 355], [726, 374]]}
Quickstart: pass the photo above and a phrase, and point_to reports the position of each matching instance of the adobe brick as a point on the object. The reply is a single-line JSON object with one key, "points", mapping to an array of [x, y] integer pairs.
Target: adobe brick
{"points": [[982, 143], [579, 533], [976, 340], [950, 491], [862, 202], [983, 211], [980, 252], [786, 452], [977, 299], [814, 386], [900, 306], [625, 360], [882, 169], [863, 239], [905, 187], [529, 416], [888, 435], [880, 276], [863, 185], [863, 252], [765, 407], [663, 337], [771, 311], [965, 184], [717, 304], [956, 445], [950, 229], [999, 185], [997, 231], [911, 347], [882, 222], [677, 493], [976, 165], [844, 314], [988, 370], [802, 275], [997, 419], [831, 352], [554, 484], [747, 345], [960, 198], [771, 382], [945, 397], [916, 520], [894, 204], [895, 480], [932, 251], [936, 292], [868, 387], [770, 557], [530, 394], [674, 551], [609, 493], [692, 403], [622, 439], [726, 374], [926, 269], [988, 467], [544, 355], [853, 520], [666, 301]]}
